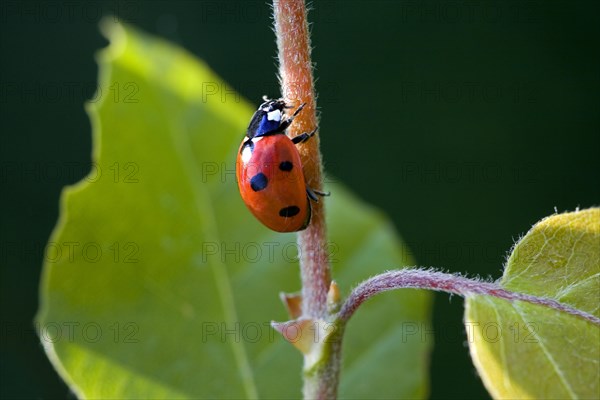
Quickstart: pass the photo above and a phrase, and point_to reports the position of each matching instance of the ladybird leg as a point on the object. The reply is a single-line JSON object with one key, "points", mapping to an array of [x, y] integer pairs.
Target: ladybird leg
{"points": [[298, 111], [322, 194], [287, 122], [313, 194], [303, 137]]}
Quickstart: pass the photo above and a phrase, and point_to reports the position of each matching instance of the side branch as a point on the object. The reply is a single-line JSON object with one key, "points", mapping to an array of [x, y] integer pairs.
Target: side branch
{"points": [[439, 281]]}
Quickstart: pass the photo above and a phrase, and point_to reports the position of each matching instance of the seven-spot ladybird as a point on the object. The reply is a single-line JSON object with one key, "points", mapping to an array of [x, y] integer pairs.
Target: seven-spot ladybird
{"points": [[269, 170]]}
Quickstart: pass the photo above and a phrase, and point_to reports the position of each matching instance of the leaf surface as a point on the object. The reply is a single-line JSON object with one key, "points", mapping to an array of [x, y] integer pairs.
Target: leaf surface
{"points": [[523, 350], [158, 283]]}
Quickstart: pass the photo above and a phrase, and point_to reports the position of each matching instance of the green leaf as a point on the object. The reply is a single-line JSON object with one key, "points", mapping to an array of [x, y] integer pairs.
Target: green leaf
{"points": [[523, 350], [158, 283]]}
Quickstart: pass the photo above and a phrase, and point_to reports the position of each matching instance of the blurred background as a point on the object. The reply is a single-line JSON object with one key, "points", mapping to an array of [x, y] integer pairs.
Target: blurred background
{"points": [[465, 121]]}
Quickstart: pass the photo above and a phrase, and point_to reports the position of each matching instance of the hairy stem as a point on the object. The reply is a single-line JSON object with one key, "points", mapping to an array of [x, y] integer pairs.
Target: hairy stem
{"points": [[297, 87], [295, 70], [433, 280]]}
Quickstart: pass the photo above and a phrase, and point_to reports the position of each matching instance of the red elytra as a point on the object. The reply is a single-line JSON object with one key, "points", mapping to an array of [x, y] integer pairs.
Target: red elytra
{"points": [[272, 184], [269, 171]]}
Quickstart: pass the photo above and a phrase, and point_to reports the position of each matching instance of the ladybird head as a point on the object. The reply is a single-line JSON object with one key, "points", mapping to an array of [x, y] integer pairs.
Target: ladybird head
{"points": [[266, 119]]}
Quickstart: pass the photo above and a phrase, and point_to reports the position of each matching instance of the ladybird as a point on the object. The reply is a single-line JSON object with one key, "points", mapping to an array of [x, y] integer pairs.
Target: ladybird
{"points": [[269, 171]]}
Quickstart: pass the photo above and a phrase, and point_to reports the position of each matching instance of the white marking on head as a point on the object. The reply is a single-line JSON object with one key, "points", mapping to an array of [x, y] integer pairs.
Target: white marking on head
{"points": [[274, 115]]}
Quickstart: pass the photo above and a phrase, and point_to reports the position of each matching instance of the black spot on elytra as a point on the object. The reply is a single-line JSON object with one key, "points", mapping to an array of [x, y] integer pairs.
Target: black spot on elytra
{"points": [[286, 166], [290, 211], [259, 182]]}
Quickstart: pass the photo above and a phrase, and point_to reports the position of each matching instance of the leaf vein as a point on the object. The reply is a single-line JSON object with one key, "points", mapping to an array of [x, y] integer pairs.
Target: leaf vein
{"points": [[205, 207], [542, 346]]}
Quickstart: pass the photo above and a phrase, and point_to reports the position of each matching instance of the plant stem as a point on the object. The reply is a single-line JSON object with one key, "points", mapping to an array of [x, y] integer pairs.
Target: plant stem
{"points": [[433, 280], [295, 70], [297, 87]]}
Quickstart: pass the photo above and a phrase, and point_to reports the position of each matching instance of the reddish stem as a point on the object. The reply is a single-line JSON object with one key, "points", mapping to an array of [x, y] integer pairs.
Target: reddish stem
{"points": [[295, 70]]}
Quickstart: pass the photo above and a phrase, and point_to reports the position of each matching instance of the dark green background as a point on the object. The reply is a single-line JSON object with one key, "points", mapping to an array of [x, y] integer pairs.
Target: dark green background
{"points": [[465, 121]]}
